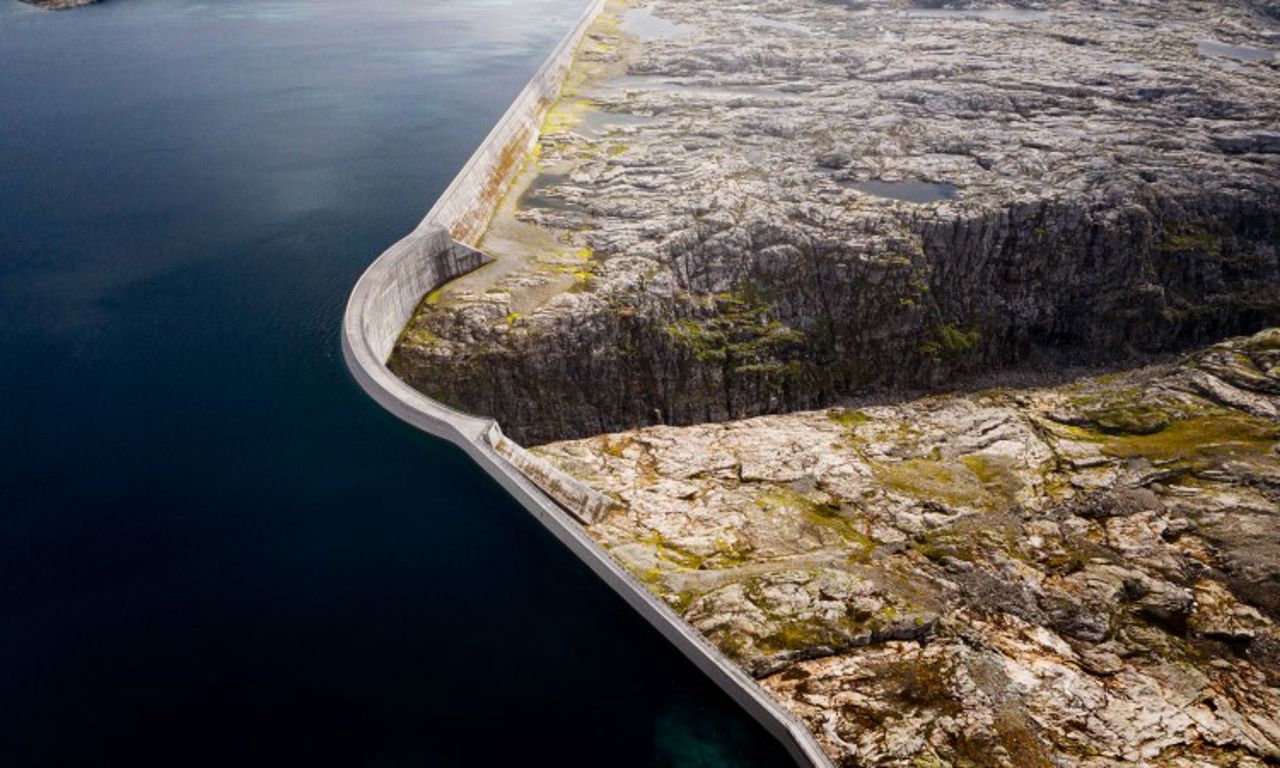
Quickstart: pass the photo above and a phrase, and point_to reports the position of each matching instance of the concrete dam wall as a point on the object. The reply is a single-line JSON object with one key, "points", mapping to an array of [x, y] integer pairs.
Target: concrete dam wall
{"points": [[470, 200], [383, 301], [413, 267]]}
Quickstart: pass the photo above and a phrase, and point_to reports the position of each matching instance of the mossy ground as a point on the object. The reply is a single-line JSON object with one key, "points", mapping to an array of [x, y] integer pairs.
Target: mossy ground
{"points": [[1200, 442], [974, 481], [1166, 429], [822, 512]]}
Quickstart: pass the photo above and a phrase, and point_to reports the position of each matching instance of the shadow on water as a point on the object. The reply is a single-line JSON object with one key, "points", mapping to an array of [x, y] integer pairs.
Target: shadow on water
{"points": [[214, 549]]}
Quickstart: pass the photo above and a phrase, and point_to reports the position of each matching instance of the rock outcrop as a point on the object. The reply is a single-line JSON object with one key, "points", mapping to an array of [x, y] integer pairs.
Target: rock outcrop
{"points": [[59, 5], [711, 229], [1086, 575]]}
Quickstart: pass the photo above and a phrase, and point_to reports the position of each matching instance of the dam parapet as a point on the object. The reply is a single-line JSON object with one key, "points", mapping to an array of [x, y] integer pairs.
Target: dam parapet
{"points": [[416, 265]]}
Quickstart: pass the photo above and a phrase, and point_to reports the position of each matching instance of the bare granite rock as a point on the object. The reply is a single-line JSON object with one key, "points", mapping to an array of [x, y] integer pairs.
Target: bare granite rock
{"points": [[742, 208], [1084, 575]]}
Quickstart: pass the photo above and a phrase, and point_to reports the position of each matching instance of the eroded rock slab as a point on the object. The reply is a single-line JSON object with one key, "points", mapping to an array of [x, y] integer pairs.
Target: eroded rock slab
{"points": [[1085, 575]]}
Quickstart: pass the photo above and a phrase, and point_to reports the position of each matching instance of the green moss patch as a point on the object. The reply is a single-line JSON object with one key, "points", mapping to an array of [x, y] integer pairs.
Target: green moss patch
{"points": [[742, 335], [948, 482], [846, 417], [824, 513], [1199, 442], [951, 341], [1188, 239]]}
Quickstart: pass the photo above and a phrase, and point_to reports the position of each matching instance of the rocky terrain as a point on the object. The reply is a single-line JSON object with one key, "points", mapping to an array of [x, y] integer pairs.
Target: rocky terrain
{"points": [[743, 208], [748, 208], [1084, 575]]}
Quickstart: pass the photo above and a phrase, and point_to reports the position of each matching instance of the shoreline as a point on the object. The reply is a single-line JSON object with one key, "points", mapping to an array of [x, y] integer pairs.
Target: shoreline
{"points": [[59, 5], [386, 295]]}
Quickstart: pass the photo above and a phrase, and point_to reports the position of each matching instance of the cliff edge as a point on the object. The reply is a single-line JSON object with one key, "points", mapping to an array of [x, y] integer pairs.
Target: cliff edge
{"points": [[739, 209]]}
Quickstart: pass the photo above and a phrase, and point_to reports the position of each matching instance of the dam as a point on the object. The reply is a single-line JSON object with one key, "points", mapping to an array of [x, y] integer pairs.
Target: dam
{"points": [[731, 253], [437, 251], [211, 535]]}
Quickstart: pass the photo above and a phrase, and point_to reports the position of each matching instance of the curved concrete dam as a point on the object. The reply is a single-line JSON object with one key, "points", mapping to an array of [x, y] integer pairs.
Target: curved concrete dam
{"points": [[383, 301]]}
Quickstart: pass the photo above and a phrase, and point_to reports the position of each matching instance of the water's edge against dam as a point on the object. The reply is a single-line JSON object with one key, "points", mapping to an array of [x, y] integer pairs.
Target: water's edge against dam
{"points": [[384, 299]]}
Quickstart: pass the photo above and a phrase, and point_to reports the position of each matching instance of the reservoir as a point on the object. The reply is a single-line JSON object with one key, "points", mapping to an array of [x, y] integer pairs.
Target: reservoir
{"points": [[214, 548]]}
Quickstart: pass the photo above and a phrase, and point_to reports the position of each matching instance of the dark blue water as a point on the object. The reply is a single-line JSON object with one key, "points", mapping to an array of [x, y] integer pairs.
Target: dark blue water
{"points": [[214, 549]]}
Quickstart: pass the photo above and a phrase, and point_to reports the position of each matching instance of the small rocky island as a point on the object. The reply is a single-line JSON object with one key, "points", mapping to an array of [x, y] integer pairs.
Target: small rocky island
{"points": [[59, 5], [924, 348]]}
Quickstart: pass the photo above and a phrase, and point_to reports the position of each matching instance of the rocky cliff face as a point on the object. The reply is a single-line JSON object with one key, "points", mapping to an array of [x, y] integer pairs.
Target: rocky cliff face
{"points": [[1087, 575], [1093, 183]]}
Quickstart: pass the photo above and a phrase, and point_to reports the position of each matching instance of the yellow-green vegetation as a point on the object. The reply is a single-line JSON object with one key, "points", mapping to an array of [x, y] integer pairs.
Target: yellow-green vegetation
{"points": [[951, 342], [1130, 422], [952, 482], [972, 535], [743, 336], [682, 599], [730, 644], [652, 578], [418, 337], [846, 525], [1199, 442], [581, 264], [946, 542], [921, 682], [416, 333], [848, 418], [725, 555], [1190, 238], [565, 115], [615, 448], [672, 554], [1122, 411], [791, 500], [728, 555], [823, 512], [996, 475], [1012, 732], [586, 71], [802, 635]]}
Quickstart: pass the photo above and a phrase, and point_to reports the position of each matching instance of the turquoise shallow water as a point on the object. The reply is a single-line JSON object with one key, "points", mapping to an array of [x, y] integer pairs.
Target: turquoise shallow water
{"points": [[214, 549]]}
